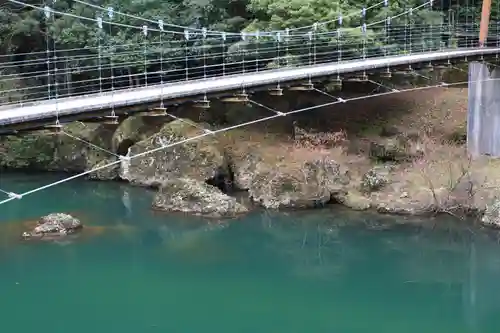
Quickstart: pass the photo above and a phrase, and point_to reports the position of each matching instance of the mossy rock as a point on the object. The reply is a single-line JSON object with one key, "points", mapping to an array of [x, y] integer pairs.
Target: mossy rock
{"points": [[34, 150], [199, 159], [354, 200], [243, 167], [95, 133], [43, 150], [108, 173], [132, 130], [195, 197], [310, 186]]}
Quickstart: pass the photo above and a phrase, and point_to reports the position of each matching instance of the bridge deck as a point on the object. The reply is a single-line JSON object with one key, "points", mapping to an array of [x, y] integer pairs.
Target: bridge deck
{"points": [[128, 97]]}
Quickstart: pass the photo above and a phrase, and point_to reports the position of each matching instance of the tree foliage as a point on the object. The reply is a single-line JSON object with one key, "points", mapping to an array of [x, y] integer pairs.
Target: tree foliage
{"points": [[121, 49]]}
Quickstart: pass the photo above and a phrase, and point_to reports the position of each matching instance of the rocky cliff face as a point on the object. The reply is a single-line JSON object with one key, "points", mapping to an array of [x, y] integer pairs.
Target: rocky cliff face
{"points": [[198, 159], [42, 150], [313, 184], [198, 176], [182, 172]]}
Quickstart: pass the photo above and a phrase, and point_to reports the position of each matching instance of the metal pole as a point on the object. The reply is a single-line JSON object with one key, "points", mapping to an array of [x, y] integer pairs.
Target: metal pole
{"points": [[485, 22]]}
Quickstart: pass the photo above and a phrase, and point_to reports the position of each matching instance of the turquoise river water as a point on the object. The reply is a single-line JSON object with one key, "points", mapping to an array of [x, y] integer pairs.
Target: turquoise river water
{"points": [[133, 270]]}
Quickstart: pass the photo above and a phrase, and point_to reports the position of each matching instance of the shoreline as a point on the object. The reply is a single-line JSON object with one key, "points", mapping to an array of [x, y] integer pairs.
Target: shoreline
{"points": [[396, 156], [334, 215]]}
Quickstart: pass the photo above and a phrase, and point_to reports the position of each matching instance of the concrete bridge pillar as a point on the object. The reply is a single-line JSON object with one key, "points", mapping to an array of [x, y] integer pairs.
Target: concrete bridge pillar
{"points": [[483, 120]]}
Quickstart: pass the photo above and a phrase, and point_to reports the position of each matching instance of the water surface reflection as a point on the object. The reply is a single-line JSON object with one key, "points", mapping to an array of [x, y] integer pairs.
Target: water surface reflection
{"points": [[320, 271]]}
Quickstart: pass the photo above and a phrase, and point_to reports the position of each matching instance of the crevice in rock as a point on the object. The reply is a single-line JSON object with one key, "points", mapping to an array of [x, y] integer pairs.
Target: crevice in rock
{"points": [[230, 176], [334, 201], [124, 146], [223, 180], [337, 198], [224, 177]]}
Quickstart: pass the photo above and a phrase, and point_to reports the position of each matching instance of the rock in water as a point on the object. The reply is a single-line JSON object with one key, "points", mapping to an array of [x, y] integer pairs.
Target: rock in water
{"points": [[198, 159], [55, 224], [313, 185], [196, 197], [355, 201], [491, 216]]}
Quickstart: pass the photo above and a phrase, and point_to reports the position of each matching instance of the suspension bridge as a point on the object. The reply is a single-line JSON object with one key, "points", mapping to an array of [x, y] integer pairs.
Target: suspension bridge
{"points": [[171, 64], [194, 65]]}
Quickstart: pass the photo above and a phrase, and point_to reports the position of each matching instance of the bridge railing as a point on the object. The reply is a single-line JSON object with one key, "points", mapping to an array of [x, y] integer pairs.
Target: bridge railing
{"points": [[59, 73]]}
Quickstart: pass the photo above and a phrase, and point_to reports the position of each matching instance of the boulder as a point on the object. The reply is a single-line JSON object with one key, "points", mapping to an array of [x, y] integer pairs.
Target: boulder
{"points": [[313, 185], [42, 150], [196, 197], [78, 155], [199, 159], [244, 168], [54, 225], [354, 200], [491, 216], [132, 130], [107, 173], [33, 150]]}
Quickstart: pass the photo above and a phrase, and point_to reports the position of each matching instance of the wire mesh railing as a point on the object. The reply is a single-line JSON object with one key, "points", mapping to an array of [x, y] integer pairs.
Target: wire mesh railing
{"points": [[173, 56]]}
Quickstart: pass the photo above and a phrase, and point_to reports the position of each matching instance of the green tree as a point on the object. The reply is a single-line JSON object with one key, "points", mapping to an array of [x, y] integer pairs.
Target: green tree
{"points": [[422, 24], [78, 47]]}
